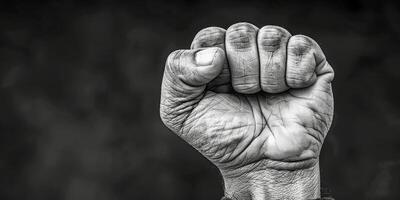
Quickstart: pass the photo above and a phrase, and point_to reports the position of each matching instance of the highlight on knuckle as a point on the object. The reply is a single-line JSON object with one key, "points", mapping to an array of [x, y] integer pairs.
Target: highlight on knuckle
{"points": [[241, 35], [272, 37], [300, 45], [173, 64], [175, 55], [209, 37]]}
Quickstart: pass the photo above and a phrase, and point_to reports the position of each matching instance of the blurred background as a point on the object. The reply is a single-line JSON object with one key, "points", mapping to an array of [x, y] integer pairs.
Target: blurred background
{"points": [[80, 87]]}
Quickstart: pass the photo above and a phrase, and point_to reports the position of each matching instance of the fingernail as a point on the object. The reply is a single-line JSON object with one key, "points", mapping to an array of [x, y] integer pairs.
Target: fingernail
{"points": [[206, 56]]}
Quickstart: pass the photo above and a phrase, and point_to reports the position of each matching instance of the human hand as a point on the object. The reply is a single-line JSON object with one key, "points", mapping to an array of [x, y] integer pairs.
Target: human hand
{"points": [[257, 103]]}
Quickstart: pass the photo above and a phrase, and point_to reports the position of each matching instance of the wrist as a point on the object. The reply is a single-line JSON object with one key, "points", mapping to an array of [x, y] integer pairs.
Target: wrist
{"points": [[274, 184]]}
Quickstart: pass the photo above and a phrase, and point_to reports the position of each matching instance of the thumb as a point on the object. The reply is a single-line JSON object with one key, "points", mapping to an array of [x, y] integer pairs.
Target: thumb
{"points": [[186, 75]]}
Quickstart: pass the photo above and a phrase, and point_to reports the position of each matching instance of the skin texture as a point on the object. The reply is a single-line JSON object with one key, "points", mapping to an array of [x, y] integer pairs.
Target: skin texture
{"points": [[257, 103]]}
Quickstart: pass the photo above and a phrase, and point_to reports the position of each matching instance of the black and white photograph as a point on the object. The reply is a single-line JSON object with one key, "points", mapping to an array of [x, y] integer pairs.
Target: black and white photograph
{"points": [[200, 100]]}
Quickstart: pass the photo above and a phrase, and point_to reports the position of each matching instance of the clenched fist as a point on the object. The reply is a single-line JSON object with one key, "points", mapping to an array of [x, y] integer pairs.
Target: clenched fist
{"points": [[257, 103]]}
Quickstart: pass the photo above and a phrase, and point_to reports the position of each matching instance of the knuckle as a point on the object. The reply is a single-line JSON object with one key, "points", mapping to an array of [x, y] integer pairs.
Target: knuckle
{"points": [[241, 35], [175, 64], [300, 45], [242, 27], [209, 37], [173, 60], [271, 38]]}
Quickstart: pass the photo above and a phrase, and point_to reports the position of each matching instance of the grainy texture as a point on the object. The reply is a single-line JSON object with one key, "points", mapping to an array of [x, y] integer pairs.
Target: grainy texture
{"points": [[80, 92]]}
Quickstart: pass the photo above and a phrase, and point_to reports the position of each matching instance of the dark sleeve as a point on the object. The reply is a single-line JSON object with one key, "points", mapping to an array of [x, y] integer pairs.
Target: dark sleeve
{"points": [[322, 198], [325, 195]]}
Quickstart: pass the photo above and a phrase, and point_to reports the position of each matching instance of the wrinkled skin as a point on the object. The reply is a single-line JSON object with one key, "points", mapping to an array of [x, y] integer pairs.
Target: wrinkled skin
{"points": [[265, 101]]}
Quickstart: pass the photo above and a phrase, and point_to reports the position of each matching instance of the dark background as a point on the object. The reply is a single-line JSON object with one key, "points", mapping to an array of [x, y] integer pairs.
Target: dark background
{"points": [[80, 84]]}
